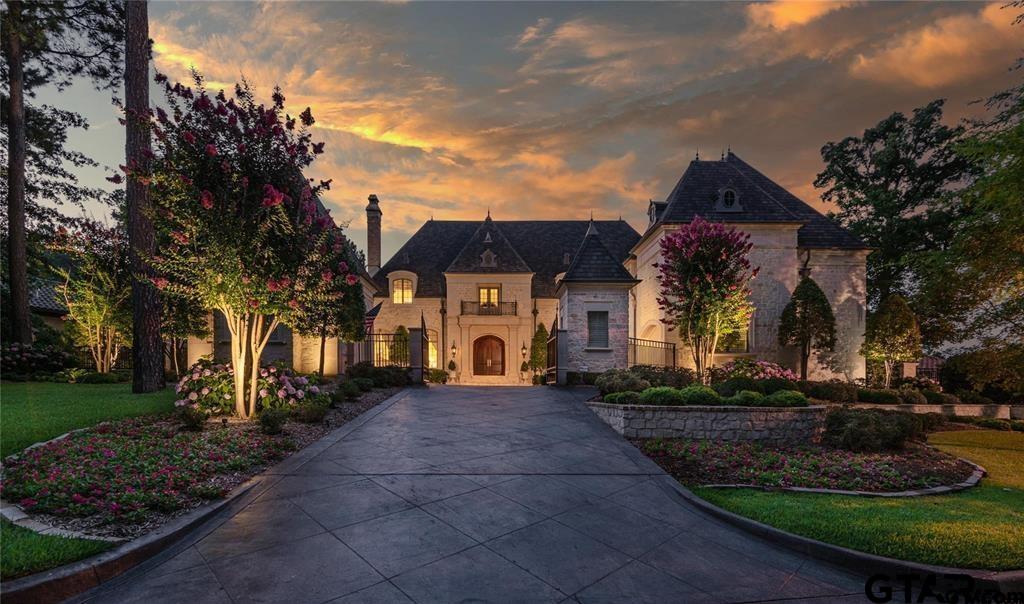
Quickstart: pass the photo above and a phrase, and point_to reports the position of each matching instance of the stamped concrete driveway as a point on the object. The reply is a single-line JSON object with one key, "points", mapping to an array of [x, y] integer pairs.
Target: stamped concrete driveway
{"points": [[459, 494]]}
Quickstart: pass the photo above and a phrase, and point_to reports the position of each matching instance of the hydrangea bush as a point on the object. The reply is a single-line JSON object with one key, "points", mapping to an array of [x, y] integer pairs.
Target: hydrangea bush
{"points": [[756, 370], [24, 359], [209, 388]]}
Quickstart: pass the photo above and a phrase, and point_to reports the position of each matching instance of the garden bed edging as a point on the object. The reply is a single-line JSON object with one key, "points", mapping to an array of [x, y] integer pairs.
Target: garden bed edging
{"points": [[771, 425]]}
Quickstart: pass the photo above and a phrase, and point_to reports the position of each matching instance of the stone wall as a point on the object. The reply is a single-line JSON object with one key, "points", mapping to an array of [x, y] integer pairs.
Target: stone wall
{"points": [[964, 410], [579, 299], [737, 424]]}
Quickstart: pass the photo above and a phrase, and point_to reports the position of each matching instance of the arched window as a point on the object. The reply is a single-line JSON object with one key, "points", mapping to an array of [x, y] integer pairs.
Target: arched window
{"points": [[729, 198], [401, 291]]}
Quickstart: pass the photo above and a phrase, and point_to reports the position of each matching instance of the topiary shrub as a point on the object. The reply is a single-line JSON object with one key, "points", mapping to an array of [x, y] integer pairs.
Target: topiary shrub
{"points": [[746, 398], [878, 397], [833, 391], [775, 384], [272, 419], [869, 430], [627, 397], [621, 380], [785, 398], [676, 377], [736, 384], [696, 394], [662, 395], [910, 396], [940, 398]]}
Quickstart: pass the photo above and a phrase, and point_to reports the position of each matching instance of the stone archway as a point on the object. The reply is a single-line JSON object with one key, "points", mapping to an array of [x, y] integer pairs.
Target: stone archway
{"points": [[489, 356]]}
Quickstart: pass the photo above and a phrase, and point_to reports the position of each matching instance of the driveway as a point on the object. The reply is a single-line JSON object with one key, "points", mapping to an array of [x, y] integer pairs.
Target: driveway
{"points": [[461, 494]]}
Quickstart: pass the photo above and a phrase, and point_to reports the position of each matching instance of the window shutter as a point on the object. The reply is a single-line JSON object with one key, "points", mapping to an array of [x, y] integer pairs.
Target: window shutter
{"points": [[597, 329]]}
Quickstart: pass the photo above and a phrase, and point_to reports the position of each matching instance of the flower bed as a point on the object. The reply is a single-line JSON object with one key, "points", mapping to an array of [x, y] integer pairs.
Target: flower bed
{"points": [[697, 463]]}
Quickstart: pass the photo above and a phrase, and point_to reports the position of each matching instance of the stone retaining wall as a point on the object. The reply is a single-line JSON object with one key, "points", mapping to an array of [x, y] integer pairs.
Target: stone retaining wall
{"points": [[965, 410], [775, 425]]}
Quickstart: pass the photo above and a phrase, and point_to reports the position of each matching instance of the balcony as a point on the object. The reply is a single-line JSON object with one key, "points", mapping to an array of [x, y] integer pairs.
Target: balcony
{"points": [[491, 309]]}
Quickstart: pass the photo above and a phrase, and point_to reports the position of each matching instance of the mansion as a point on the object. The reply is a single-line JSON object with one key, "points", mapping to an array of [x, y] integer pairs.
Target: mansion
{"points": [[481, 288]]}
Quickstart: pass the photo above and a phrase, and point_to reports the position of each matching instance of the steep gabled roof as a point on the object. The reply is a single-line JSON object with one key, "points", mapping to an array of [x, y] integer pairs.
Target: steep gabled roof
{"points": [[594, 263], [488, 251], [762, 201], [546, 246], [44, 298]]}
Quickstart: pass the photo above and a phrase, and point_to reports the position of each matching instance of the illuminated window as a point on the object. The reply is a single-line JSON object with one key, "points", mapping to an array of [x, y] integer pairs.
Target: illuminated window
{"points": [[738, 341], [489, 295], [401, 291], [432, 348]]}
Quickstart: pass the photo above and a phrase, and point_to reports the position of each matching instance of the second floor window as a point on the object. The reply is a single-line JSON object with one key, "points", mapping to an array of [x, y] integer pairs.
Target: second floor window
{"points": [[401, 291], [489, 296]]}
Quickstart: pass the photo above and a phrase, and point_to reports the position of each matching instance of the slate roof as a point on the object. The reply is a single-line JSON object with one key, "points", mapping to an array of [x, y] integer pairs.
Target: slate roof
{"points": [[595, 264], [542, 244], [488, 238], [762, 201], [43, 298]]}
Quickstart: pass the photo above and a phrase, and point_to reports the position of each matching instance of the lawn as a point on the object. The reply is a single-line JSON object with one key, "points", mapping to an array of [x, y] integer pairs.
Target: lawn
{"points": [[36, 411], [26, 552], [982, 527]]}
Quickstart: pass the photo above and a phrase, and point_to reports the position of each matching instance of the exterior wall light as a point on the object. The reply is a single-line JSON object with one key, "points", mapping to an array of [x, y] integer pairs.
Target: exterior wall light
{"points": [[523, 350], [453, 349]]}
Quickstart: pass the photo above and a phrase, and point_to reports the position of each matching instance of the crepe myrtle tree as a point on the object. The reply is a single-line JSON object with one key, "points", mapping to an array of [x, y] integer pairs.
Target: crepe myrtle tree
{"points": [[343, 315], [807, 322], [704, 279], [246, 235]]}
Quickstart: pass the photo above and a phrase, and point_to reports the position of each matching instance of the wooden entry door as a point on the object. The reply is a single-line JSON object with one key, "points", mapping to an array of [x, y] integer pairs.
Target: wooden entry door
{"points": [[489, 356]]}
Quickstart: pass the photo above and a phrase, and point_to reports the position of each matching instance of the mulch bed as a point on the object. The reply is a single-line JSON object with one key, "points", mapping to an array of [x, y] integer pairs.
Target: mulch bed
{"points": [[125, 478], [698, 463]]}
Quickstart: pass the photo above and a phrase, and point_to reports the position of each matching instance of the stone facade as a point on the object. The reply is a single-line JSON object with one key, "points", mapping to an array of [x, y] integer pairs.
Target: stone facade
{"points": [[770, 425], [576, 301]]}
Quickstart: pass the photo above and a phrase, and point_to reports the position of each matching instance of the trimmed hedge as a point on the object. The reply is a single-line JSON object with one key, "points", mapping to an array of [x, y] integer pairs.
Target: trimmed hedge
{"points": [[696, 394], [746, 398], [940, 398], [662, 395], [878, 397], [836, 392], [909, 396], [623, 398], [775, 384], [785, 398], [735, 385]]}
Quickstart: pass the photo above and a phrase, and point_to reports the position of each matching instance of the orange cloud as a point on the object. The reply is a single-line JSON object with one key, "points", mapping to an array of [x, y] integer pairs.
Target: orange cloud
{"points": [[949, 50], [784, 14]]}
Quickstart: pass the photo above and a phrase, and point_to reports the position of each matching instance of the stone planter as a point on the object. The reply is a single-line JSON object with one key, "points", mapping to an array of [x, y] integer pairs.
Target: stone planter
{"points": [[770, 425]]}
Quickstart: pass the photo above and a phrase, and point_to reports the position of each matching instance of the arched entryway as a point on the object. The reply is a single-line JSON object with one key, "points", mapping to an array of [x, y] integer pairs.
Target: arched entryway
{"points": [[489, 356]]}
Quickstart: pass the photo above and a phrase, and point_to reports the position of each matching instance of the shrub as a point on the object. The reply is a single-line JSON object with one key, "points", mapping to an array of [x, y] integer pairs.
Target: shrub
{"points": [[930, 422], [918, 383], [363, 369], [272, 419], [746, 398], [364, 384], [540, 379], [940, 398], [868, 430], [697, 394], [775, 384], [785, 398], [312, 411], [879, 397], [95, 377], [347, 391], [211, 386], [662, 395], [736, 384], [993, 424], [758, 370], [621, 380], [909, 396], [437, 376], [973, 398], [1017, 426], [390, 376], [192, 417], [26, 359], [834, 391], [627, 397], [575, 378], [676, 377]]}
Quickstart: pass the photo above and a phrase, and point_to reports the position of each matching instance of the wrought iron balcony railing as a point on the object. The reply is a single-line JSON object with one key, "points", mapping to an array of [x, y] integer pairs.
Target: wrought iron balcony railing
{"points": [[488, 308]]}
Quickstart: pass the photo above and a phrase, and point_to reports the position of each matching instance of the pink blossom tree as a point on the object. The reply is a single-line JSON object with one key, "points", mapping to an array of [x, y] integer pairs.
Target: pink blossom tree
{"points": [[245, 233], [704, 276]]}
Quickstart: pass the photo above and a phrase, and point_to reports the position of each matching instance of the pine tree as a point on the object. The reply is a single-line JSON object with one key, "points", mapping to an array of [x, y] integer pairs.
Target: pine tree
{"points": [[807, 322]]}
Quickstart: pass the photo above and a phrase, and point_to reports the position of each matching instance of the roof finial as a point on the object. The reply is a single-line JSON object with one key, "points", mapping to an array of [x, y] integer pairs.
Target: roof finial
{"points": [[723, 154], [698, 153], [728, 150], [488, 212]]}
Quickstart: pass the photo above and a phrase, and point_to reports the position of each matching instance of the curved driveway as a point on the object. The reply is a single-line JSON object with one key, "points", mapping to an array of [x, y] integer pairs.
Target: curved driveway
{"points": [[461, 494]]}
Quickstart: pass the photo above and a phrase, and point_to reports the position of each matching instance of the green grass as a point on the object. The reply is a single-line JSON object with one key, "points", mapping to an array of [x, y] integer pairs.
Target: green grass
{"points": [[982, 527], [26, 552], [31, 412]]}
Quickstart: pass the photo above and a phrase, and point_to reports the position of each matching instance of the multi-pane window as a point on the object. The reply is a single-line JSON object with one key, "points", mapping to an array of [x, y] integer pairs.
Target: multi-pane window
{"points": [[737, 341], [597, 329], [489, 295], [432, 348], [401, 291]]}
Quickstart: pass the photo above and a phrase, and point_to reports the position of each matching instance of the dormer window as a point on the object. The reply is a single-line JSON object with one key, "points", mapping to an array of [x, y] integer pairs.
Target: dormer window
{"points": [[488, 259], [401, 291], [728, 200]]}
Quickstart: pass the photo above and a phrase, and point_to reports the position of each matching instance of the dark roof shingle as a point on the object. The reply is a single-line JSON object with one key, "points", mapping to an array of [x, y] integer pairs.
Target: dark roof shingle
{"points": [[488, 239], [594, 263]]}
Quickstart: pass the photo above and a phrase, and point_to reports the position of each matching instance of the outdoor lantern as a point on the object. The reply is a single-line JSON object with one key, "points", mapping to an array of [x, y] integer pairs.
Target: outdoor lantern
{"points": [[453, 349], [523, 350]]}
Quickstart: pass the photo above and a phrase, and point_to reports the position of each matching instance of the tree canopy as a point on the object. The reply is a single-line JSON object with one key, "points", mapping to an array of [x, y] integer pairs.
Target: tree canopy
{"points": [[892, 335]]}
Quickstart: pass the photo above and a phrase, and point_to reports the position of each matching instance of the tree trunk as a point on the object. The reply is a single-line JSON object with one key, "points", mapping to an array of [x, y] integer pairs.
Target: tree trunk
{"points": [[805, 355], [147, 346], [17, 255], [323, 342]]}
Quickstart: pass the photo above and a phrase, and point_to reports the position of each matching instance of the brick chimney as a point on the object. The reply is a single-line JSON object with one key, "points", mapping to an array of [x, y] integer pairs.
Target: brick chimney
{"points": [[373, 215]]}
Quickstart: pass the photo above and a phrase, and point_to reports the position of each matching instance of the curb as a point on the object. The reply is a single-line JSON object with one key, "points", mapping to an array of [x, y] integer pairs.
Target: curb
{"points": [[852, 560], [70, 580]]}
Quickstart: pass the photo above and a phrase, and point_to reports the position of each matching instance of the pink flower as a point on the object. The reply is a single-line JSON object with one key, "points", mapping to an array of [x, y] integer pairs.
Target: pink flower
{"points": [[293, 304], [180, 237], [264, 393], [351, 279], [343, 267], [206, 199], [253, 303], [285, 281], [299, 394], [282, 393], [271, 196], [327, 276], [273, 285], [159, 282], [211, 150], [189, 137]]}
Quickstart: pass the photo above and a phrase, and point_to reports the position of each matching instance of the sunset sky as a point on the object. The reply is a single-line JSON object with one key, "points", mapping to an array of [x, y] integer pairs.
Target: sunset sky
{"points": [[547, 111]]}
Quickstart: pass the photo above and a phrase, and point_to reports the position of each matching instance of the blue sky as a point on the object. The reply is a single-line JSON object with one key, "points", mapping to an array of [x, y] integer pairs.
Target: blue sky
{"points": [[554, 110]]}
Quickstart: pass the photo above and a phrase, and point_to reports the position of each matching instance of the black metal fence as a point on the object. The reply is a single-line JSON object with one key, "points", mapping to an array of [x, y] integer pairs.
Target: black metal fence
{"points": [[383, 349], [551, 371], [488, 308], [651, 352]]}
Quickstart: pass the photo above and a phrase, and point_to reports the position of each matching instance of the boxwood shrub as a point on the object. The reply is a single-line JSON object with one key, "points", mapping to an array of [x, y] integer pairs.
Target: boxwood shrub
{"points": [[662, 395], [621, 380], [773, 385], [785, 398], [696, 394], [627, 397], [940, 398], [834, 391], [737, 384], [880, 397], [746, 398], [364, 384], [911, 396]]}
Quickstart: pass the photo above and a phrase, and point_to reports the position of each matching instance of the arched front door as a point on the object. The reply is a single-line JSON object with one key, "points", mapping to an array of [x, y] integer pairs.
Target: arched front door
{"points": [[489, 356]]}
